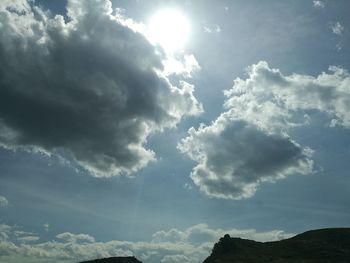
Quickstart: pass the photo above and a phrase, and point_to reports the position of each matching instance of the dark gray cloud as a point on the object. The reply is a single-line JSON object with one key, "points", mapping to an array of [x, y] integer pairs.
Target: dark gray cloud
{"points": [[234, 157], [91, 87]]}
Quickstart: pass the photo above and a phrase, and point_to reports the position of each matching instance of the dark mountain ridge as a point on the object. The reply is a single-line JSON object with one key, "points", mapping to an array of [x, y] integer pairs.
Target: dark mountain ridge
{"points": [[315, 246]]}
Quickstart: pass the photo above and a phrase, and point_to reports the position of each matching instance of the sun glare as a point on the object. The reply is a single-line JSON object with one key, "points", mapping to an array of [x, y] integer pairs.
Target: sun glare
{"points": [[170, 29]]}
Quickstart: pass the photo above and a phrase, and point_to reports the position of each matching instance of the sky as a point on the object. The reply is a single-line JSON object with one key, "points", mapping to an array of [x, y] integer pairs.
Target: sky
{"points": [[152, 128]]}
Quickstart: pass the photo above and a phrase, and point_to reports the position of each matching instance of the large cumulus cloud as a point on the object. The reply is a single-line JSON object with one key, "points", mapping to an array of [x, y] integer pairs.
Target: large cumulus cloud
{"points": [[91, 86], [250, 142], [235, 156]]}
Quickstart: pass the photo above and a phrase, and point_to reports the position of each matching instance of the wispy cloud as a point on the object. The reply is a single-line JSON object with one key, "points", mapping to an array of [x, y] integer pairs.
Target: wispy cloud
{"points": [[318, 4], [337, 28], [3, 201], [46, 227], [212, 29]]}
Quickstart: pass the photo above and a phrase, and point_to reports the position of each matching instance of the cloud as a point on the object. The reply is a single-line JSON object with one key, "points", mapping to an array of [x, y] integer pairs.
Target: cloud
{"points": [[193, 244], [3, 201], [328, 93], [5, 230], [249, 143], [91, 88], [26, 239], [23, 233], [337, 28], [181, 64], [46, 227], [318, 4], [234, 157], [23, 236], [212, 29], [75, 238]]}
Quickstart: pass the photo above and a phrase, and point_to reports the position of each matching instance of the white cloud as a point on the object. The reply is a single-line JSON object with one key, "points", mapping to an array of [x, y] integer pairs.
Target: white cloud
{"points": [[3, 201], [181, 64], [91, 86], [328, 93], [75, 238], [23, 233], [250, 143], [193, 244], [337, 28], [212, 29], [207, 29], [318, 4], [26, 239], [5, 231]]}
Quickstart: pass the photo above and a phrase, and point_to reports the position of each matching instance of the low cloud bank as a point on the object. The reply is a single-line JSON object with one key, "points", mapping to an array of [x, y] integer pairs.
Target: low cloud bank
{"points": [[193, 244]]}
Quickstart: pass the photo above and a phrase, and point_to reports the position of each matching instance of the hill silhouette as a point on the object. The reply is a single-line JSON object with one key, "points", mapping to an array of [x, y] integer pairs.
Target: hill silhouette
{"points": [[114, 260], [316, 246]]}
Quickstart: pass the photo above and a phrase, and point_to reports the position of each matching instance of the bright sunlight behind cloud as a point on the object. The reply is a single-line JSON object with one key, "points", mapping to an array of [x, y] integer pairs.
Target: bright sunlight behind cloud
{"points": [[169, 28]]}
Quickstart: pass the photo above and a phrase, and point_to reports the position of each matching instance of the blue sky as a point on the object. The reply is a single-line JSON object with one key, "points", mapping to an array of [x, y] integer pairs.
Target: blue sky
{"points": [[103, 153]]}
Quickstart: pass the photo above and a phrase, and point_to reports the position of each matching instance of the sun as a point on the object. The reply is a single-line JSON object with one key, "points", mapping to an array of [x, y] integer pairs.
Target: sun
{"points": [[169, 28]]}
